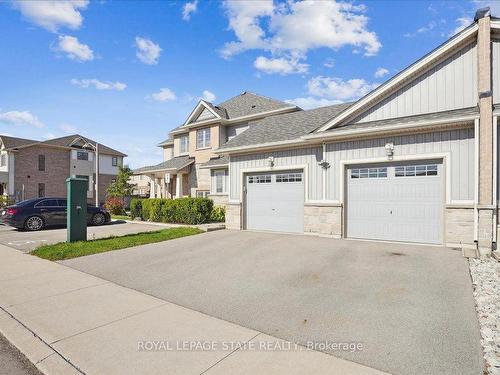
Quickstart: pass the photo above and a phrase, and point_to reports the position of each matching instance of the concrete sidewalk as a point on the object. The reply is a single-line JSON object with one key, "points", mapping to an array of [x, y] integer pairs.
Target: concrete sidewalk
{"points": [[66, 322]]}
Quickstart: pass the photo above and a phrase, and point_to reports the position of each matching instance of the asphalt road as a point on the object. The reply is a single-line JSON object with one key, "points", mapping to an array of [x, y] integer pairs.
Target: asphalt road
{"points": [[13, 362], [27, 241], [411, 307]]}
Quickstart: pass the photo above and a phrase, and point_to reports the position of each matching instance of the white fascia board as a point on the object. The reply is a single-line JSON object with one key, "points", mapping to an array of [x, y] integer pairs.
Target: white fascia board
{"points": [[261, 146], [215, 166], [495, 24], [393, 82], [201, 103]]}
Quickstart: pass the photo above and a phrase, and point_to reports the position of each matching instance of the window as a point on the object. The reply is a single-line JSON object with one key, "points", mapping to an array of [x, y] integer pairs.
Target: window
{"points": [[202, 193], [41, 190], [203, 138], [184, 144], [416, 170], [47, 203], [81, 155], [220, 181], [289, 177], [114, 161], [369, 172], [3, 160], [260, 179], [41, 162]]}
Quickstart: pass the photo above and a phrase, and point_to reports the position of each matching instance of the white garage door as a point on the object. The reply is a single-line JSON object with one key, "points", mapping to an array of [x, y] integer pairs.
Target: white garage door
{"points": [[275, 201], [397, 202]]}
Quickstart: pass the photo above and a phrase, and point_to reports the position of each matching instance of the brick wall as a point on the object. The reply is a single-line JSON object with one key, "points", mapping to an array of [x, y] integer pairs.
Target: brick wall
{"points": [[28, 175]]}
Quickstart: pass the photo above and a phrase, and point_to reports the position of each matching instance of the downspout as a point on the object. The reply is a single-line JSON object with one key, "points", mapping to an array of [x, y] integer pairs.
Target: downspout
{"points": [[476, 182], [495, 182], [323, 158]]}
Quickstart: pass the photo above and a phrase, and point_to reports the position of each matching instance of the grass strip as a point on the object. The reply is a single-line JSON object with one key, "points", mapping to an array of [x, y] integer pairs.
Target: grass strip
{"points": [[64, 250]]}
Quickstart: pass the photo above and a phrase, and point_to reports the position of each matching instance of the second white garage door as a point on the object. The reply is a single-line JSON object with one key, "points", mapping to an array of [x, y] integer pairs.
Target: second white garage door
{"points": [[275, 201], [397, 202]]}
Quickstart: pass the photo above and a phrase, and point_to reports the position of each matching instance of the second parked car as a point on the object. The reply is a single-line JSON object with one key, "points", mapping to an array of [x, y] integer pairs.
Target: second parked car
{"points": [[38, 213]]}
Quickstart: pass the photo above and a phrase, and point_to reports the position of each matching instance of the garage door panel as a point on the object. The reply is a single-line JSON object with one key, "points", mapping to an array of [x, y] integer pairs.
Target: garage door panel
{"points": [[277, 204], [405, 204]]}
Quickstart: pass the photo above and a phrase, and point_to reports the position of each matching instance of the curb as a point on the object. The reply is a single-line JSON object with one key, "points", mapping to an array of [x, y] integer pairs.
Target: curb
{"points": [[42, 355], [203, 227]]}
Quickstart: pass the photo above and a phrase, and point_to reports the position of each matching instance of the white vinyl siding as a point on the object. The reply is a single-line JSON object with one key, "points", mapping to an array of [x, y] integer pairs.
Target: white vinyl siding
{"points": [[450, 84], [203, 138], [205, 115], [495, 55]]}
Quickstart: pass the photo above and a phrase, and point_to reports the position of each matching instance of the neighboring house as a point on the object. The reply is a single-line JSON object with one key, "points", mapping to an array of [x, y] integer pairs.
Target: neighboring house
{"points": [[190, 166], [30, 168], [415, 160]]}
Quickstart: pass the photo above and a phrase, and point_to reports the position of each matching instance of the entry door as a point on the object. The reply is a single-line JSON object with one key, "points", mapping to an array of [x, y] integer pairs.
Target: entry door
{"points": [[397, 202], [275, 201]]}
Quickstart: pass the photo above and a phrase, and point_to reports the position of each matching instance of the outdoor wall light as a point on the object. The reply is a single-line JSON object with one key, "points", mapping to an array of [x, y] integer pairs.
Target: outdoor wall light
{"points": [[389, 150], [324, 164]]}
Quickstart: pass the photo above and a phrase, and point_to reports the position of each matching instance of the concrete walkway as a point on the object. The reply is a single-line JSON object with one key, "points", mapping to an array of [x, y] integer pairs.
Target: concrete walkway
{"points": [[68, 322]]}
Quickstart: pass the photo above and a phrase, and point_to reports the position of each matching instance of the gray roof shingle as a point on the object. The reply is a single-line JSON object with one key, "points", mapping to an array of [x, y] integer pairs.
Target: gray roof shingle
{"points": [[176, 163], [219, 160], [249, 103], [285, 127], [14, 142]]}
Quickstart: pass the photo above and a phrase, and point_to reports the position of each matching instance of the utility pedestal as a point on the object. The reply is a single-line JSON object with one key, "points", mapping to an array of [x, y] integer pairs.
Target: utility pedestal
{"points": [[77, 209]]}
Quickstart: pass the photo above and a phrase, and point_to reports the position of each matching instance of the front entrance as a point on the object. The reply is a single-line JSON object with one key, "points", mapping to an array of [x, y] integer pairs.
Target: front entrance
{"points": [[396, 202], [275, 201]]}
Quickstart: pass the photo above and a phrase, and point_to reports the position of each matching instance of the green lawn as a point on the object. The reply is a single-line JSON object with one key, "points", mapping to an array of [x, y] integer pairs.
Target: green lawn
{"points": [[65, 250], [120, 217]]}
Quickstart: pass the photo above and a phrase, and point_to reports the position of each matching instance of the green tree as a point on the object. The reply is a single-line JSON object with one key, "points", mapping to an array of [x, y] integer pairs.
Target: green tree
{"points": [[121, 186]]}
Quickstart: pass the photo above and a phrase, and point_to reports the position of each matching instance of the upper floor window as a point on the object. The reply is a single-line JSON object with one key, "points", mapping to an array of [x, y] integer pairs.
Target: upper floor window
{"points": [[3, 160], [114, 161], [184, 144], [203, 138], [81, 155], [41, 162]]}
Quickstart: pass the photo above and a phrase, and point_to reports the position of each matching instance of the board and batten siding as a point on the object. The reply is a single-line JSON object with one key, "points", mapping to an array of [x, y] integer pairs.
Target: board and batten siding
{"points": [[288, 158], [450, 84], [495, 52], [458, 143]]}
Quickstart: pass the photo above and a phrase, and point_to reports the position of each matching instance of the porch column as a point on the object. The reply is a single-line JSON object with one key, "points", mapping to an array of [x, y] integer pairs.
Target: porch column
{"points": [[152, 189], [485, 204], [178, 186]]}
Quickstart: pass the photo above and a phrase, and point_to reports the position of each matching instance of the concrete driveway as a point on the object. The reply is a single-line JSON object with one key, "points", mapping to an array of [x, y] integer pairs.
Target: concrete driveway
{"points": [[27, 241], [411, 307]]}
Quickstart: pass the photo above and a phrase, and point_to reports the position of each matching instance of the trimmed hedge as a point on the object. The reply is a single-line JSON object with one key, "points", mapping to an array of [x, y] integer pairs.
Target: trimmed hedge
{"points": [[180, 211]]}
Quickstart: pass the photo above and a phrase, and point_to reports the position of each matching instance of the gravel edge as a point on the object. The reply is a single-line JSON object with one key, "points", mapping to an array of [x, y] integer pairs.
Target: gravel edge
{"points": [[485, 275]]}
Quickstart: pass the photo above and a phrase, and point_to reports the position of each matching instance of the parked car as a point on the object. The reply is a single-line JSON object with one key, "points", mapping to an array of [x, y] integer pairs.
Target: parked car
{"points": [[38, 213]]}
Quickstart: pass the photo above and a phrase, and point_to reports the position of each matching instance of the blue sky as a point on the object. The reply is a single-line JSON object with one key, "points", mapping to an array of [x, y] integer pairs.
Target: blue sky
{"points": [[126, 72]]}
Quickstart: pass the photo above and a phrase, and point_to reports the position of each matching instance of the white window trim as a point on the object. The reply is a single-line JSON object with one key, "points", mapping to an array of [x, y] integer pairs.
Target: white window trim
{"points": [[213, 190], [181, 152]]}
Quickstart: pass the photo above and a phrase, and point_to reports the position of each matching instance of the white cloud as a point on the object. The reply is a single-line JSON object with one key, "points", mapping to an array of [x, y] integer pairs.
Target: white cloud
{"points": [[338, 89], [188, 9], [99, 85], [280, 65], [48, 135], [53, 14], [20, 118], [325, 91], [381, 72], [311, 102], [329, 63], [73, 49], [462, 23], [296, 27], [422, 30], [208, 96], [164, 95], [147, 51], [68, 128]]}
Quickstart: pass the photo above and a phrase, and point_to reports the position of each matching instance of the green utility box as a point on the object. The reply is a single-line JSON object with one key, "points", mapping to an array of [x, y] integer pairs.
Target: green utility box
{"points": [[77, 209]]}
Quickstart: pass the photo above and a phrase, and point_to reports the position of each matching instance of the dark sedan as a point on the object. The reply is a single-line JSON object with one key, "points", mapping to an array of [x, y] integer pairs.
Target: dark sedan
{"points": [[35, 214]]}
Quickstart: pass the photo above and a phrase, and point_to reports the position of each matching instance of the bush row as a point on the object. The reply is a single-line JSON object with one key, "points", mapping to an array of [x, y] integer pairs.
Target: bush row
{"points": [[181, 211]]}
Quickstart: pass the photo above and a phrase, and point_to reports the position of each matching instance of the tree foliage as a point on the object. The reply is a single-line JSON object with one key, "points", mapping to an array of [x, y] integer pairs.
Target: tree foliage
{"points": [[121, 187]]}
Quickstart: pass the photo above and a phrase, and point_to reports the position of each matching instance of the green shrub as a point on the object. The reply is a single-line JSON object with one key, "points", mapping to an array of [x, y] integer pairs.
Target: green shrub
{"points": [[218, 214], [181, 211], [5, 201]]}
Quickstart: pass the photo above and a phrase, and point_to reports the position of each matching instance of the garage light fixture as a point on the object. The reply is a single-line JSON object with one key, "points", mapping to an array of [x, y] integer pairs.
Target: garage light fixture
{"points": [[324, 164], [389, 150]]}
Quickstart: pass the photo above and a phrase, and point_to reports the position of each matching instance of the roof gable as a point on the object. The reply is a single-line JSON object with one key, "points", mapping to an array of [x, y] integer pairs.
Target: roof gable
{"points": [[203, 111], [403, 79]]}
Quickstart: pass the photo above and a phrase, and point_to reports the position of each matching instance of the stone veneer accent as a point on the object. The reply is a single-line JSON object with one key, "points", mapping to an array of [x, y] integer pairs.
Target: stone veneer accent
{"points": [[233, 216], [459, 226], [323, 219], [219, 199]]}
